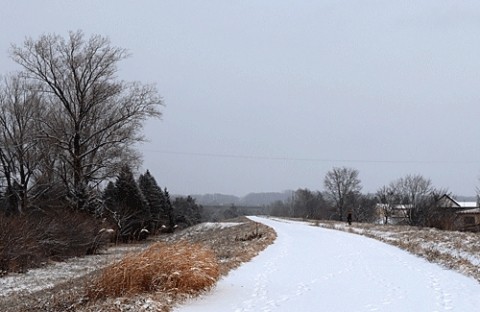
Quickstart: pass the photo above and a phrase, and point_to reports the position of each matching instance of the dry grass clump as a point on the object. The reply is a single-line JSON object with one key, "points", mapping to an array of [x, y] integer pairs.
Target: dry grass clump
{"points": [[178, 268], [233, 245]]}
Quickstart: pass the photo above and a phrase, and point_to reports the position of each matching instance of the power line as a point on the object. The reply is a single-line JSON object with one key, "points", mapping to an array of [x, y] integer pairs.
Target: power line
{"points": [[283, 158]]}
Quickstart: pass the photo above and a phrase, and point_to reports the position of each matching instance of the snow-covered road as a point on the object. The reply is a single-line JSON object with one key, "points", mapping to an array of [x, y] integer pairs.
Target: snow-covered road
{"points": [[315, 269]]}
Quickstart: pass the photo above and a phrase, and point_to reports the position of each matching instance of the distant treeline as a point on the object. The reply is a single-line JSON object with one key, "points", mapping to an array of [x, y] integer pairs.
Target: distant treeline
{"points": [[224, 212], [249, 200]]}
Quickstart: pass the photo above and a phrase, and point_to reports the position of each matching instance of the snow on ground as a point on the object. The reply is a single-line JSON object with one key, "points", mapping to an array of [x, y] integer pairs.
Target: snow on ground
{"points": [[316, 269], [452, 249], [54, 274], [216, 225]]}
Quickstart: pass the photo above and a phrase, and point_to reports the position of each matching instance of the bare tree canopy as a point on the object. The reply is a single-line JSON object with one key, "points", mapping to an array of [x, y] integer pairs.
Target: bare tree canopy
{"points": [[388, 198], [414, 191], [93, 118], [20, 152], [309, 204], [343, 186]]}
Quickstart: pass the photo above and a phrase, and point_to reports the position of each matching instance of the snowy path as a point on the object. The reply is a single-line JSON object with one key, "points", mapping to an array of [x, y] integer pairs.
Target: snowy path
{"points": [[315, 269]]}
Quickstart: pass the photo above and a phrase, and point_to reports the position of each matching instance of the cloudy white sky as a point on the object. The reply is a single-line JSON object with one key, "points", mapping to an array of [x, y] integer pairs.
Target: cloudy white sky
{"points": [[270, 95]]}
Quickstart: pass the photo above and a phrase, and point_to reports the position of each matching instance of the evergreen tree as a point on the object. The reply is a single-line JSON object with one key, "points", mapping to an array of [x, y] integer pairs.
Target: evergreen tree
{"points": [[186, 211], [110, 195], [155, 199], [129, 208], [168, 211]]}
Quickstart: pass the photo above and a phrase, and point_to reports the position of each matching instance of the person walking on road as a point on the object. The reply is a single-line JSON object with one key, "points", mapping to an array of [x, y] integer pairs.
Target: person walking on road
{"points": [[349, 218]]}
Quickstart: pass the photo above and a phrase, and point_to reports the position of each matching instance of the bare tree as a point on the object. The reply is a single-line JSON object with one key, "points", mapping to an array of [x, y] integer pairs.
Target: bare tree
{"points": [[433, 214], [93, 118], [309, 204], [279, 209], [364, 208], [388, 198], [19, 148], [414, 192], [342, 186]]}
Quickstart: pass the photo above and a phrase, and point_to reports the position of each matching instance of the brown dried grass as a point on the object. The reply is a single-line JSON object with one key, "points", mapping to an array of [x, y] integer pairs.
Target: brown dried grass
{"points": [[180, 268], [230, 245]]}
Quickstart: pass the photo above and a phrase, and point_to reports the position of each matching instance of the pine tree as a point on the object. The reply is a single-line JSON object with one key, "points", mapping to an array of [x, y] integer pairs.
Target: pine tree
{"points": [[186, 211], [110, 195], [129, 207], [168, 211], [155, 198]]}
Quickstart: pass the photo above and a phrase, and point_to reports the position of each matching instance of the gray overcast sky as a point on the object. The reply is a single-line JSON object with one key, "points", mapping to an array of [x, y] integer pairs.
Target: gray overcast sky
{"points": [[270, 95]]}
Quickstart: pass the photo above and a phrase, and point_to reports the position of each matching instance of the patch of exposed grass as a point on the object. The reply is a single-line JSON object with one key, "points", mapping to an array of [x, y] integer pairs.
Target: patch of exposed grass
{"points": [[232, 245], [179, 268]]}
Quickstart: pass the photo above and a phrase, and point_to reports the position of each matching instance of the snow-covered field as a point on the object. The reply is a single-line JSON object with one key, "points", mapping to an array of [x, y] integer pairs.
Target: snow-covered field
{"points": [[316, 269]]}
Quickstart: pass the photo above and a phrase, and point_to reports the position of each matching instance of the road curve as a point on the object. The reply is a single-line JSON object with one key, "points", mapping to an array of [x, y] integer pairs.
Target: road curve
{"points": [[310, 268]]}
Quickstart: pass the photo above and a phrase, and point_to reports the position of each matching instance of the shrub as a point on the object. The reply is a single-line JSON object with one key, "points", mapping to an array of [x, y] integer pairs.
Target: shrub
{"points": [[67, 233], [179, 268], [27, 241], [19, 248], [316, 223], [255, 234]]}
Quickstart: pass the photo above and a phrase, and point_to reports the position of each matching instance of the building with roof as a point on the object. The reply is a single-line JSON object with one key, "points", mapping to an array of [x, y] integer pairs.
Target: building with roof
{"points": [[459, 215]]}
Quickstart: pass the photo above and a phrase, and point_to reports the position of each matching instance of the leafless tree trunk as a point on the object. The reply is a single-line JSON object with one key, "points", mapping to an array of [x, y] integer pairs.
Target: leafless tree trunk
{"points": [[342, 184], [387, 198], [19, 149], [93, 118], [414, 191], [309, 204]]}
